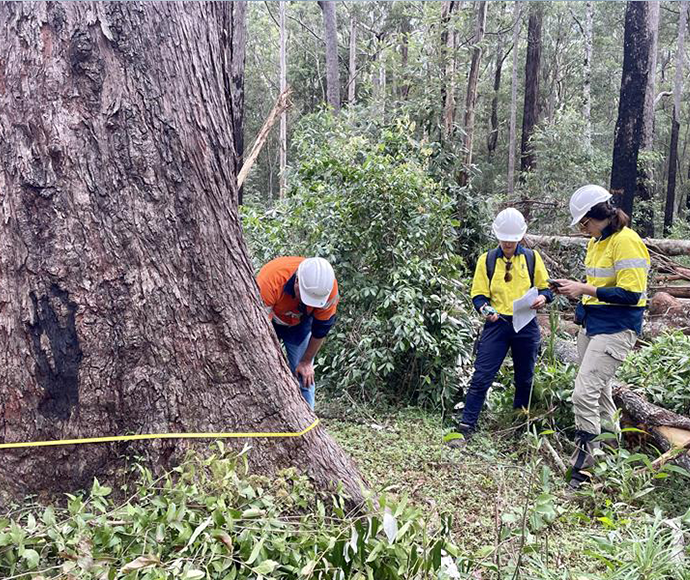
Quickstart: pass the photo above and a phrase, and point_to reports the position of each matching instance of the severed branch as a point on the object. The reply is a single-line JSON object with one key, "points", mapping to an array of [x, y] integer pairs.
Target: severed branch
{"points": [[662, 246], [669, 430], [281, 105]]}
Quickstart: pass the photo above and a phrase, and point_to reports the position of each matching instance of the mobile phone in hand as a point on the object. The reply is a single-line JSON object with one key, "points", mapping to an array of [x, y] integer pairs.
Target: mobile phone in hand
{"points": [[554, 283]]}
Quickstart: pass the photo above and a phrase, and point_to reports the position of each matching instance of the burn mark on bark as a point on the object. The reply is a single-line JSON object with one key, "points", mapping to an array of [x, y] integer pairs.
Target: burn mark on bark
{"points": [[57, 352], [87, 67]]}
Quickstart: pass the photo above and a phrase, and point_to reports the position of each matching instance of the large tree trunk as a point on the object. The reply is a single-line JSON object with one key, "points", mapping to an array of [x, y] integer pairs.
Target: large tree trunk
{"points": [[235, 62], [332, 74], [631, 109], [471, 98], [512, 137], [127, 299], [675, 123], [530, 115]]}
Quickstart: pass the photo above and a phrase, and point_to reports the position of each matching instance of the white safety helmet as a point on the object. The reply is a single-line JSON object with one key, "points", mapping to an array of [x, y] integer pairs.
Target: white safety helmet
{"points": [[585, 199], [315, 277], [509, 226]]}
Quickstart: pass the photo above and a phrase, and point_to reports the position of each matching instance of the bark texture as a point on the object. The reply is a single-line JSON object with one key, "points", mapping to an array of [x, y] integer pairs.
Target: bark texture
{"points": [[235, 56], [512, 137], [127, 299], [492, 139], [631, 109], [530, 115]]}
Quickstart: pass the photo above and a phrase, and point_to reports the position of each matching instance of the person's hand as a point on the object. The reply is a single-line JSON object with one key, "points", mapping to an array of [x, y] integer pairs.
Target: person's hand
{"points": [[539, 303], [492, 317], [570, 288], [305, 371]]}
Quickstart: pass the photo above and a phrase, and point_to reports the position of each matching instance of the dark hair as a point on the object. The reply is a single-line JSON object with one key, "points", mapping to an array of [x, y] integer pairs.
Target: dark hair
{"points": [[604, 210]]}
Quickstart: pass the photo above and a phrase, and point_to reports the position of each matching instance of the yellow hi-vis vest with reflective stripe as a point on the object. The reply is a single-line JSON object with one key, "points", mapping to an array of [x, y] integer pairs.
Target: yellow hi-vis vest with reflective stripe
{"points": [[620, 260]]}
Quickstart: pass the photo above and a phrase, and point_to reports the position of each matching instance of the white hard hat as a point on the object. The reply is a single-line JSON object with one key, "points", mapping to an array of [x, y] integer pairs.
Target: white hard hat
{"points": [[585, 199], [315, 277], [509, 225]]}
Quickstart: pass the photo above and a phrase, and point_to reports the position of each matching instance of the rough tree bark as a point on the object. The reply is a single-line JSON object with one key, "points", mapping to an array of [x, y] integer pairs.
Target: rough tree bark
{"points": [[127, 299], [331, 39], [530, 115], [675, 123], [513, 101], [471, 97], [631, 109], [234, 60]]}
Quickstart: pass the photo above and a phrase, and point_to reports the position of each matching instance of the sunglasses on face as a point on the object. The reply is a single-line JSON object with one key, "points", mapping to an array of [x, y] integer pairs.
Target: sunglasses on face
{"points": [[508, 277]]}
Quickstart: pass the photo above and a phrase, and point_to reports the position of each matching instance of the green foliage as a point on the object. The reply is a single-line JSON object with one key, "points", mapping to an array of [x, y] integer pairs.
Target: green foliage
{"points": [[211, 519], [362, 197], [662, 371]]}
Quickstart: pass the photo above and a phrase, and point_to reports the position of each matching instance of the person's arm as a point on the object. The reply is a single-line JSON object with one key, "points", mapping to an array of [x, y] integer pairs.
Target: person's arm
{"points": [[480, 293], [630, 263], [541, 277], [305, 367]]}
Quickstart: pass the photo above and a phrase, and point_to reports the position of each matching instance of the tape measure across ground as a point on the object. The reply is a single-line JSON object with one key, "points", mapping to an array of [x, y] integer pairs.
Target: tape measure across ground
{"points": [[117, 438]]}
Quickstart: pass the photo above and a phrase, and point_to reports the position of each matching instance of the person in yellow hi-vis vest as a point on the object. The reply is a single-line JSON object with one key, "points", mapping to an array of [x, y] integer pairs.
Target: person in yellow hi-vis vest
{"points": [[503, 275], [613, 302]]}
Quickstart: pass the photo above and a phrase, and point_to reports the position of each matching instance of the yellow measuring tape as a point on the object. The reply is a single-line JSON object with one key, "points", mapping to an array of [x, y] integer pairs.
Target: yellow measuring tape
{"points": [[153, 436]]}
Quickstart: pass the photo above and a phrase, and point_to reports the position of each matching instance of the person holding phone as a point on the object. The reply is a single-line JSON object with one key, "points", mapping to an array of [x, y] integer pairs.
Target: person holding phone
{"points": [[503, 275], [613, 300]]}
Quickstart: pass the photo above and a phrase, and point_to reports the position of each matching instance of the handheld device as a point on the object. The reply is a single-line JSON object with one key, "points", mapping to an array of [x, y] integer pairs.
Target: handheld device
{"points": [[554, 283], [488, 310]]}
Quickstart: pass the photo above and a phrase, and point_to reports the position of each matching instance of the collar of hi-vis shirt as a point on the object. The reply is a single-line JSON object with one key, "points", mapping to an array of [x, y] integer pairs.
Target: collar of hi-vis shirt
{"points": [[605, 233], [518, 250], [289, 288], [504, 293]]}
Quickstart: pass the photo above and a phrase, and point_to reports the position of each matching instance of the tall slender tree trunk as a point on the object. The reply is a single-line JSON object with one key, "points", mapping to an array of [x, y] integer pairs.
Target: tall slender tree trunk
{"points": [[637, 56], [492, 139], [587, 74], [471, 98], [128, 298], [448, 41], [404, 53], [530, 115], [675, 122], [645, 177], [352, 81], [331, 34], [513, 100], [282, 165]]}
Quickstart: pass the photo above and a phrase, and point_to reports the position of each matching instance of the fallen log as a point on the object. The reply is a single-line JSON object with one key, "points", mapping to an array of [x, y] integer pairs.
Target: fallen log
{"points": [[669, 430], [675, 291], [663, 246]]}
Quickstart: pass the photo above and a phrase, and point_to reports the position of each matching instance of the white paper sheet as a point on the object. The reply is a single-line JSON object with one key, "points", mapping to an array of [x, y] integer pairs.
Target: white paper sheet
{"points": [[522, 313]]}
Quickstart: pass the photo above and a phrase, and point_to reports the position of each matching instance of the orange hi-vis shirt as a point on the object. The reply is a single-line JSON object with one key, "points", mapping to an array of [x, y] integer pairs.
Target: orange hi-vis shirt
{"points": [[276, 281]]}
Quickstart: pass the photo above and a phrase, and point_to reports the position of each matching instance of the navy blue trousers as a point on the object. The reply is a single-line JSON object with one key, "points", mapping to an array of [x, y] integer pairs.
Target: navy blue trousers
{"points": [[497, 337]]}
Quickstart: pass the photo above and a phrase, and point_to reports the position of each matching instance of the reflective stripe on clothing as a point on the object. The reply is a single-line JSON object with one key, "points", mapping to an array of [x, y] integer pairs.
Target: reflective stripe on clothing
{"points": [[501, 294], [619, 260]]}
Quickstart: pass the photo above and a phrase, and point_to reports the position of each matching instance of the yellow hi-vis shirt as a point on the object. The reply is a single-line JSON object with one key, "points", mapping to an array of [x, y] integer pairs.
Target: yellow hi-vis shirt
{"points": [[620, 260], [501, 293]]}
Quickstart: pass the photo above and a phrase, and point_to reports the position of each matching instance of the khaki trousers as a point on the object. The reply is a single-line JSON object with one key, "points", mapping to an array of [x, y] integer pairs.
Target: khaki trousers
{"points": [[593, 406]]}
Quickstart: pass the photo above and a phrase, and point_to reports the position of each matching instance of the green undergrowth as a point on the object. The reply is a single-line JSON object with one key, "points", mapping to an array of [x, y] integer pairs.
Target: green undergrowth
{"points": [[212, 519], [509, 506]]}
